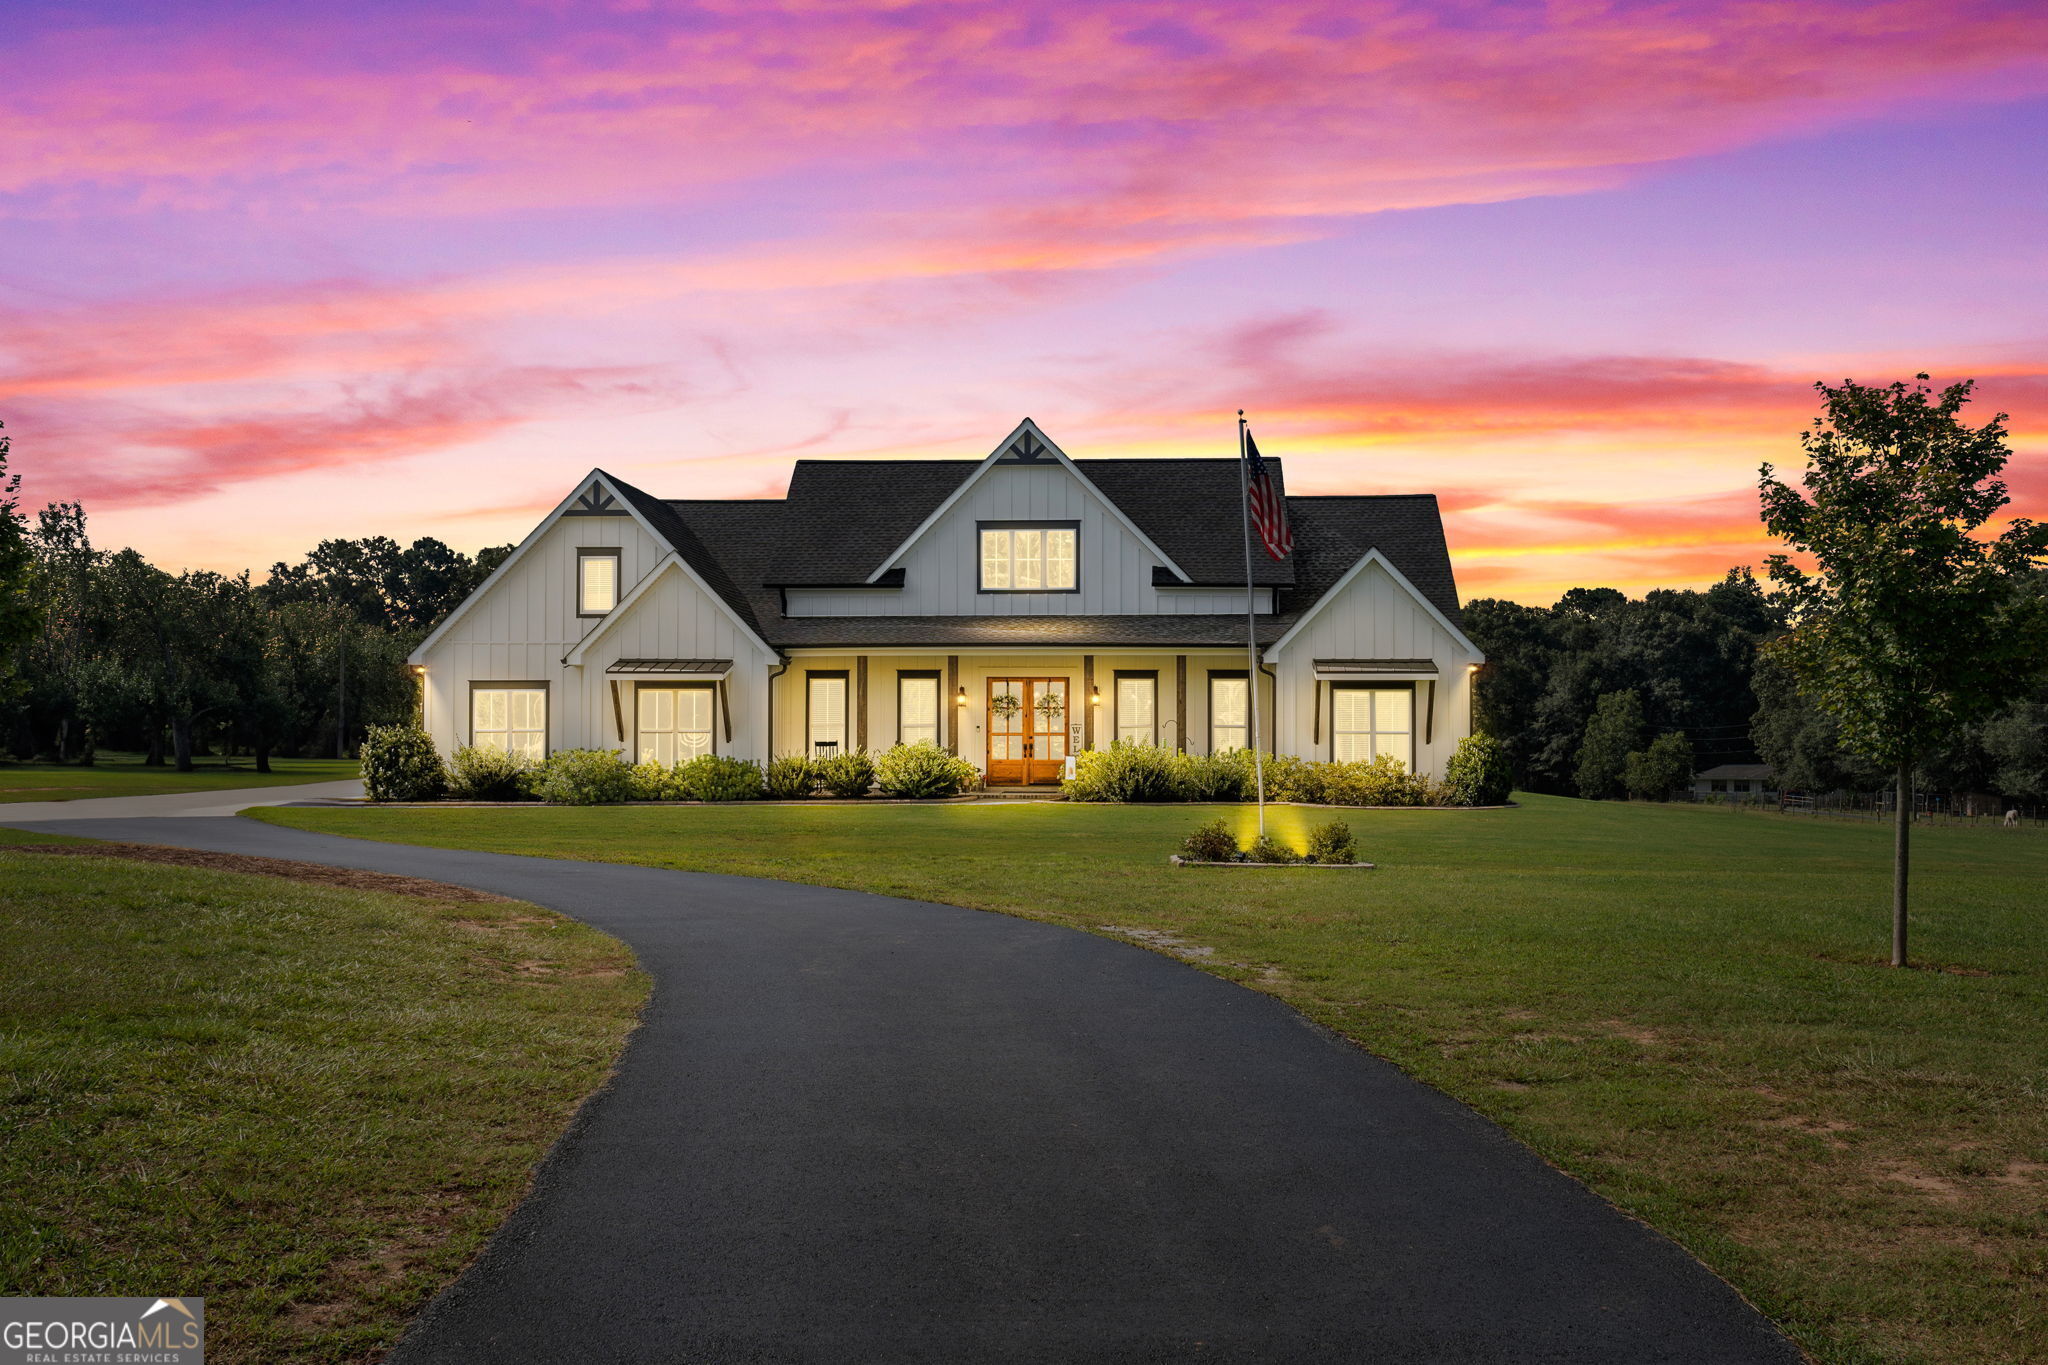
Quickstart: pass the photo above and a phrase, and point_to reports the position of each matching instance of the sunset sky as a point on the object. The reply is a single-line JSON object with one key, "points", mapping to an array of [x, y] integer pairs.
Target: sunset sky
{"points": [[270, 274]]}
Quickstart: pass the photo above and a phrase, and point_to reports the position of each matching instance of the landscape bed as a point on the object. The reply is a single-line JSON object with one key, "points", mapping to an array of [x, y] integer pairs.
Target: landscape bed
{"points": [[1685, 1009]]}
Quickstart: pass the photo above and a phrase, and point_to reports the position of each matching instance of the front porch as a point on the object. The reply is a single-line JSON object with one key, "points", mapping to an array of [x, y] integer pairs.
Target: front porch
{"points": [[1017, 715]]}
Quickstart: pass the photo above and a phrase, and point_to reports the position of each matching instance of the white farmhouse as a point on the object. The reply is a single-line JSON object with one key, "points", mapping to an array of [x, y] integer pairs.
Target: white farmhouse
{"points": [[1015, 609]]}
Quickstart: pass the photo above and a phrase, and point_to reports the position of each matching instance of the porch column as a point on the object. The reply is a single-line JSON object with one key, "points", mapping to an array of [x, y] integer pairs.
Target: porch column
{"points": [[860, 702], [952, 704], [1180, 702], [1087, 701]]}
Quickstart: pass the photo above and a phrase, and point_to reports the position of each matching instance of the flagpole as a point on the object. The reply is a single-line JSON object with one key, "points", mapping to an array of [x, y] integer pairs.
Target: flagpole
{"points": [[1251, 625]]}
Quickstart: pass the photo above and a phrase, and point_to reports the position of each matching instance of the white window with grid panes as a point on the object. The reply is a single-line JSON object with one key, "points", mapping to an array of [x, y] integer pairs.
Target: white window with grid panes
{"points": [[674, 722], [597, 586], [1137, 708], [1029, 558], [1230, 713], [511, 719], [1369, 722], [917, 708], [828, 713]]}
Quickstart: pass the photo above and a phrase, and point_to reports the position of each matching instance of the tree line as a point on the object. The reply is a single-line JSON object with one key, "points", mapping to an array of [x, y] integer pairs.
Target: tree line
{"points": [[100, 649], [1574, 690]]}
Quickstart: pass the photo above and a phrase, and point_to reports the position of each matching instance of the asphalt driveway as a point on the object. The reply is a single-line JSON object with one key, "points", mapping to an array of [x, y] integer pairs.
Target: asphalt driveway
{"points": [[855, 1128]]}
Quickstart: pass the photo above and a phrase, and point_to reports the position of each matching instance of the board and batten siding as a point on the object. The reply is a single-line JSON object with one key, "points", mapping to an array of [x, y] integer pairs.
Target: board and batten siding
{"points": [[526, 621], [942, 570], [1374, 617]]}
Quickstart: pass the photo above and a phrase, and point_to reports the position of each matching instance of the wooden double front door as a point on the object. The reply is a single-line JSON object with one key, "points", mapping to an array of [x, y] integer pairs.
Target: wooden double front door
{"points": [[1027, 729]]}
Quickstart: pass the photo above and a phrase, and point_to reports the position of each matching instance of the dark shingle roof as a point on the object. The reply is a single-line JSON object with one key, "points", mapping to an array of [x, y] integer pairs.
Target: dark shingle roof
{"points": [[710, 567], [1189, 508], [1333, 533], [843, 517], [825, 542]]}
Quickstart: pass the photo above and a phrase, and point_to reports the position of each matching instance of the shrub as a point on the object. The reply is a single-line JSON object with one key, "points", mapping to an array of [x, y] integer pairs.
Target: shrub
{"points": [[1479, 772], [1267, 849], [584, 777], [1212, 843], [1332, 843], [400, 763], [1294, 779], [487, 775], [922, 769], [791, 777], [1125, 772], [1214, 777], [653, 782], [847, 774], [1383, 781], [1656, 772], [717, 777]]}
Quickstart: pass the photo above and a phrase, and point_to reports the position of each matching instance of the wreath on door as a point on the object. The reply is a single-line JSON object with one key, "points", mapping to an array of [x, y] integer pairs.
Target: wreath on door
{"points": [[1005, 704], [1052, 706]]}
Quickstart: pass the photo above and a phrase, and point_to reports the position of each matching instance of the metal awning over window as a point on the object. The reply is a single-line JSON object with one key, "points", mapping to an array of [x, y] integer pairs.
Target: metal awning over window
{"points": [[688, 668], [1375, 670]]}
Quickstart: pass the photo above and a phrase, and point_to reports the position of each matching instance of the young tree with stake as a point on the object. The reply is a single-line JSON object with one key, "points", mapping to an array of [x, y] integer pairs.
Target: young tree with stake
{"points": [[1911, 624]]}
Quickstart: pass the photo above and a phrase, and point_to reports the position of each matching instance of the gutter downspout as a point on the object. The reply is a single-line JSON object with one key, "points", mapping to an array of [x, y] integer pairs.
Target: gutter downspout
{"points": [[768, 742]]}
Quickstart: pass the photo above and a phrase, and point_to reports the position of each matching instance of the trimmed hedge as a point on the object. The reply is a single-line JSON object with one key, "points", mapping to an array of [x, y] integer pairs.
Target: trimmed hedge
{"points": [[1145, 773]]}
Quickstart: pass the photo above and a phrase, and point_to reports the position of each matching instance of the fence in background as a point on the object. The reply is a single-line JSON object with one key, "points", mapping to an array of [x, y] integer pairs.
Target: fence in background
{"points": [[1937, 808]]}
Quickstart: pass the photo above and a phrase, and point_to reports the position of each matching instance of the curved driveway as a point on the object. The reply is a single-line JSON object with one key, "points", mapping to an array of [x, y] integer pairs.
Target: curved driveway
{"points": [[854, 1128]]}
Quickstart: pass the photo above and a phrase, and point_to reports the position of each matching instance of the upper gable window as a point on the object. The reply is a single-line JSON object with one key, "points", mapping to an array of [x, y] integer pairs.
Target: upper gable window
{"points": [[1030, 556], [597, 581]]}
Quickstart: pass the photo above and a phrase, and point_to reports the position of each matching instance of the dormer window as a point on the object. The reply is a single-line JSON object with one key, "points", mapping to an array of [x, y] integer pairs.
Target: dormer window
{"points": [[1030, 556], [597, 582]]}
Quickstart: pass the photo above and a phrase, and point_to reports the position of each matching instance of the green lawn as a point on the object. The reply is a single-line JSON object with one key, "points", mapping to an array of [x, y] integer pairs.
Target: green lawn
{"points": [[1685, 1007], [120, 774], [310, 1105]]}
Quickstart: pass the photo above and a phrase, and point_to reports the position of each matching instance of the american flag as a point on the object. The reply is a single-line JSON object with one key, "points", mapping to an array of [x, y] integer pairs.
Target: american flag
{"points": [[1269, 509]]}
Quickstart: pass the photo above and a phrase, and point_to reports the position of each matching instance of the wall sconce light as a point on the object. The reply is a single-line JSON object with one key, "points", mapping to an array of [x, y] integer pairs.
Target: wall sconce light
{"points": [[960, 699], [1095, 697]]}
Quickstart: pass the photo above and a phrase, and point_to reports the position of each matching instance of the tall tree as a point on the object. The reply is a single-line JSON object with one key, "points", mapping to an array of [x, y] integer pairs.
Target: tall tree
{"points": [[18, 614], [1611, 736], [1911, 623]]}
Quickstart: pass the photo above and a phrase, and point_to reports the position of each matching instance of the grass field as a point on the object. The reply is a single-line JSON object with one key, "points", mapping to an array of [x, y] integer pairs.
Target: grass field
{"points": [[119, 774], [1685, 1007], [309, 1105]]}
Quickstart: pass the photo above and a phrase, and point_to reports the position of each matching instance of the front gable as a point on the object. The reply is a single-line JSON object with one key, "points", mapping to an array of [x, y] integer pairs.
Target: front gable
{"points": [[1374, 613], [529, 601], [1065, 487]]}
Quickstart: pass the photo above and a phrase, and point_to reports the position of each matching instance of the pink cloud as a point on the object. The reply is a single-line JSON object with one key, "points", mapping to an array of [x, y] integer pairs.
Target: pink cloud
{"points": [[118, 456], [1248, 112]]}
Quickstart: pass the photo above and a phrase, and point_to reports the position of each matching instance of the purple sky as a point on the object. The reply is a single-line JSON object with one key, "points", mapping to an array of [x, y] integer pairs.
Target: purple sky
{"points": [[269, 276]]}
